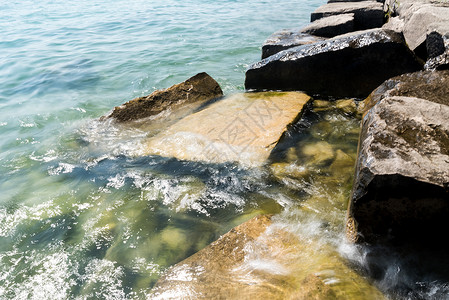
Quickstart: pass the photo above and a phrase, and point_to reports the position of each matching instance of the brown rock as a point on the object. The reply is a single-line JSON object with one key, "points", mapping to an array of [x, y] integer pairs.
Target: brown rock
{"points": [[197, 89], [402, 173], [251, 262], [241, 128]]}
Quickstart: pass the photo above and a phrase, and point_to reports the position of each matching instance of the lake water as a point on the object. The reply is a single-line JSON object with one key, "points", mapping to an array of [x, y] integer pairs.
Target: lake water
{"points": [[82, 216]]}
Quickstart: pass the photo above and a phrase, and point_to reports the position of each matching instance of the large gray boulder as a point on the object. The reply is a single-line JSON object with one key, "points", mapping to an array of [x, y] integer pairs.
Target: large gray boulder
{"points": [[331, 26], [346, 66], [367, 14], [426, 29], [402, 173], [285, 39], [430, 85], [195, 90]]}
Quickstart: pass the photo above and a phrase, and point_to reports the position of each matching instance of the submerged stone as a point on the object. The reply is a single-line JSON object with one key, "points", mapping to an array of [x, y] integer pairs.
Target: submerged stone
{"points": [[258, 259], [241, 128], [402, 173], [285, 39], [345, 66], [318, 153], [194, 91], [348, 106], [331, 26], [367, 14]]}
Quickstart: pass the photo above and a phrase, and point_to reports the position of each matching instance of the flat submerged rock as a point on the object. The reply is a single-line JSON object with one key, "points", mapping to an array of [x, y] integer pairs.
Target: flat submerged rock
{"points": [[241, 128], [260, 260]]}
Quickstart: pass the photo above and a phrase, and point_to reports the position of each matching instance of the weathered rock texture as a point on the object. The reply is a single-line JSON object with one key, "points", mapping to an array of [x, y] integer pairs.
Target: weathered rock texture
{"points": [[241, 128], [429, 85], [402, 173], [331, 26], [367, 14], [346, 66], [197, 89], [285, 39], [258, 261], [426, 29]]}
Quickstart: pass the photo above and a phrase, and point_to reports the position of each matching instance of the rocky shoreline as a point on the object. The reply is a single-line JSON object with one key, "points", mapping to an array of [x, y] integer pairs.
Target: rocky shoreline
{"points": [[392, 58], [404, 144]]}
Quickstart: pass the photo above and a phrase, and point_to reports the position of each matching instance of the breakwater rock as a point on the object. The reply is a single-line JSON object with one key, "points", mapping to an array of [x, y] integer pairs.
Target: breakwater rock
{"points": [[285, 39], [346, 66], [425, 25], [241, 128], [331, 26], [367, 14], [402, 172], [430, 85], [193, 92]]}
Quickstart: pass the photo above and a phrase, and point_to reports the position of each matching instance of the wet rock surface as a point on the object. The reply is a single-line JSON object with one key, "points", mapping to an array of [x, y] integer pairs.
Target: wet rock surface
{"points": [[241, 128], [331, 26], [285, 39], [194, 91], [346, 66], [429, 85], [367, 14], [260, 259], [426, 30], [402, 174]]}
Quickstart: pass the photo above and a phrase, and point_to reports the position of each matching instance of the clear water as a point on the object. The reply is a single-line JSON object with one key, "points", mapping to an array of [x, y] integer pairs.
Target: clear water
{"points": [[82, 217]]}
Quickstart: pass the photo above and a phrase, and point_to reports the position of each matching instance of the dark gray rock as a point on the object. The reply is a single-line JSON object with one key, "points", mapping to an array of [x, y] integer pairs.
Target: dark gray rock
{"points": [[430, 85], [285, 39], [345, 66], [197, 89], [367, 14], [437, 45], [331, 26], [400, 190], [426, 29]]}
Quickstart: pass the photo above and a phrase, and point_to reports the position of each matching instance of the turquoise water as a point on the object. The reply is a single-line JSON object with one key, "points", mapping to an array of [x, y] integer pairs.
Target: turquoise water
{"points": [[80, 216]]}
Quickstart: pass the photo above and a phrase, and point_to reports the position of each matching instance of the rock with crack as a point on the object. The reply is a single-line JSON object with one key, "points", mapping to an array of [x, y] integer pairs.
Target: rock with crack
{"points": [[259, 259], [351, 65], [241, 128], [401, 182], [193, 92]]}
